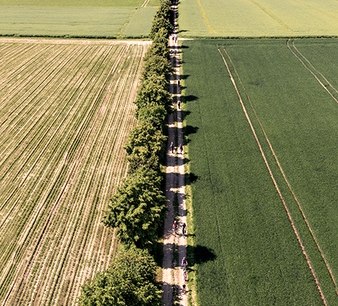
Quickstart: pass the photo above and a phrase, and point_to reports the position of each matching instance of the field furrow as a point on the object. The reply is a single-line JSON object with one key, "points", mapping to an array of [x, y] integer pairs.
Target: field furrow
{"points": [[80, 122]]}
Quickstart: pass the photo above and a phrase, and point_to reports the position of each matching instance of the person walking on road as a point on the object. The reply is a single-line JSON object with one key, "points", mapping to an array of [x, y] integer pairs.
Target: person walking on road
{"points": [[175, 225], [185, 275], [172, 148], [184, 231], [184, 263], [180, 148]]}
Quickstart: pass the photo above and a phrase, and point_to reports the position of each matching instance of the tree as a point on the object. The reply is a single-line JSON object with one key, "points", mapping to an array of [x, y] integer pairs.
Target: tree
{"points": [[130, 281], [137, 208], [160, 44], [153, 114], [162, 19], [158, 65], [152, 93]]}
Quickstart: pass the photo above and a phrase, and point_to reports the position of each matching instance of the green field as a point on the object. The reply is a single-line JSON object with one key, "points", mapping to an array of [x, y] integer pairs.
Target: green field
{"points": [[66, 111], [114, 18], [289, 91], [233, 18]]}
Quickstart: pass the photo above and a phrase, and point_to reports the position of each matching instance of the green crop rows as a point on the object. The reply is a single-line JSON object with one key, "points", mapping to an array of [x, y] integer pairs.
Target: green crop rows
{"points": [[257, 222], [66, 111], [116, 18], [252, 18]]}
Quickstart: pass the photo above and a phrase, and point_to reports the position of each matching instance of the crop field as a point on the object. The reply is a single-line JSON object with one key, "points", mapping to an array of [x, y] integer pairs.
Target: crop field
{"points": [[263, 117], [66, 110], [256, 18], [105, 18]]}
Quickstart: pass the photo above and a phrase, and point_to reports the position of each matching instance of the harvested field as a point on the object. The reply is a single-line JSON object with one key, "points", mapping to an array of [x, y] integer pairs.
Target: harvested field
{"points": [[264, 151], [66, 110]]}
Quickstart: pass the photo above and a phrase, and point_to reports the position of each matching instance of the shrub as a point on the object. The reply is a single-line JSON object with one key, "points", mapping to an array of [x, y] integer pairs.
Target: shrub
{"points": [[130, 281], [137, 208]]}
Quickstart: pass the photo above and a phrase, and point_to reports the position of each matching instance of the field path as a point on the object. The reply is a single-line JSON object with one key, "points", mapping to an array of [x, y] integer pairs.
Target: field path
{"points": [[174, 276]]}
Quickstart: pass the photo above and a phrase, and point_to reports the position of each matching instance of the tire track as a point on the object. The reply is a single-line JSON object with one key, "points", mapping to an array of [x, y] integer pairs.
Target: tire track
{"points": [[308, 66]]}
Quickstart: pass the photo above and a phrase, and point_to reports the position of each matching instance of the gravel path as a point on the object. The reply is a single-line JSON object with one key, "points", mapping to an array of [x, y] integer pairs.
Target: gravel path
{"points": [[174, 276]]}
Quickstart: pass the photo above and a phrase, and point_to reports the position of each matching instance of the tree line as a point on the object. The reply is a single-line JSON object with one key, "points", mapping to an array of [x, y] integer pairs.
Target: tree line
{"points": [[137, 209]]}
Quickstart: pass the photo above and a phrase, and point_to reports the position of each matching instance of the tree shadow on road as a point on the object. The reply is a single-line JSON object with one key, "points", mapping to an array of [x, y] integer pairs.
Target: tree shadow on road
{"points": [[196, 254], [200, 254], [189, 98], [174, 291]]}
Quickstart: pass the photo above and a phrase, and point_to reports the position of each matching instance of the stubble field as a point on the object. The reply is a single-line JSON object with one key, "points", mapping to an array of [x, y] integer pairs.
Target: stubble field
{"points": [[264, 151], [66, 110]]}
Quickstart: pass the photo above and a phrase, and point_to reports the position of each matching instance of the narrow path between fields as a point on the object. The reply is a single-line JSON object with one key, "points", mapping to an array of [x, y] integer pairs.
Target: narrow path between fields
{"points": [[174, 276]]}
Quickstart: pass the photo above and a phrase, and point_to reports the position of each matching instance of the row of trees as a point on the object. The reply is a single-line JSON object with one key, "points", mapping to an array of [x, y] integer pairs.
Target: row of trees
{"points": [[137, 208]]}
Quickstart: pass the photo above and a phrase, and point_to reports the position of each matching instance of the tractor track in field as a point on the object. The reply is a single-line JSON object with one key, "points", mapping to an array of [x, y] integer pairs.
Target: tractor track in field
{"points": [[286, 180], [145, 3], [280, 195], [324, 83], [60, 239]]}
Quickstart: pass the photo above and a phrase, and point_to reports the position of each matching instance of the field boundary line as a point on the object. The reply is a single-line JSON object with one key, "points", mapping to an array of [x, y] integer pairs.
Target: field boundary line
{"points": [[294, 228], [297, 201], [306, 67]]}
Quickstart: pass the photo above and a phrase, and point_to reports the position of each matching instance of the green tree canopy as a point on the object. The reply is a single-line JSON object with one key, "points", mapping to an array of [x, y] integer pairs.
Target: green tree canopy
{"points": [[152, 93], [137, 208], [157, 65], [130, 281], [153, 114]]}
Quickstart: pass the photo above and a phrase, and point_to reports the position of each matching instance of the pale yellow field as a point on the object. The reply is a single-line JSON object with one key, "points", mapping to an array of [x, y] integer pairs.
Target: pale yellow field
{"points": [[66, 110], [254, 18]]}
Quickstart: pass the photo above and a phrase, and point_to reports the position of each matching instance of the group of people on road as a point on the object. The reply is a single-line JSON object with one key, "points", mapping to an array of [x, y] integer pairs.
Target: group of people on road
{"points": [[184, 265], [173, 148], [177, 225]]}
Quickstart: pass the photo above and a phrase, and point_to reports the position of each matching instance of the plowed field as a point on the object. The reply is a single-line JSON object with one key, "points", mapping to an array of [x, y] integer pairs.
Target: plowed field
{"points": [[66, 110]]}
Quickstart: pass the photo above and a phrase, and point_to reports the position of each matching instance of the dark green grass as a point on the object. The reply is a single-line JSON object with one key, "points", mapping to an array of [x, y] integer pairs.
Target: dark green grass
{"points": [[237, 211], [115, 18]]}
